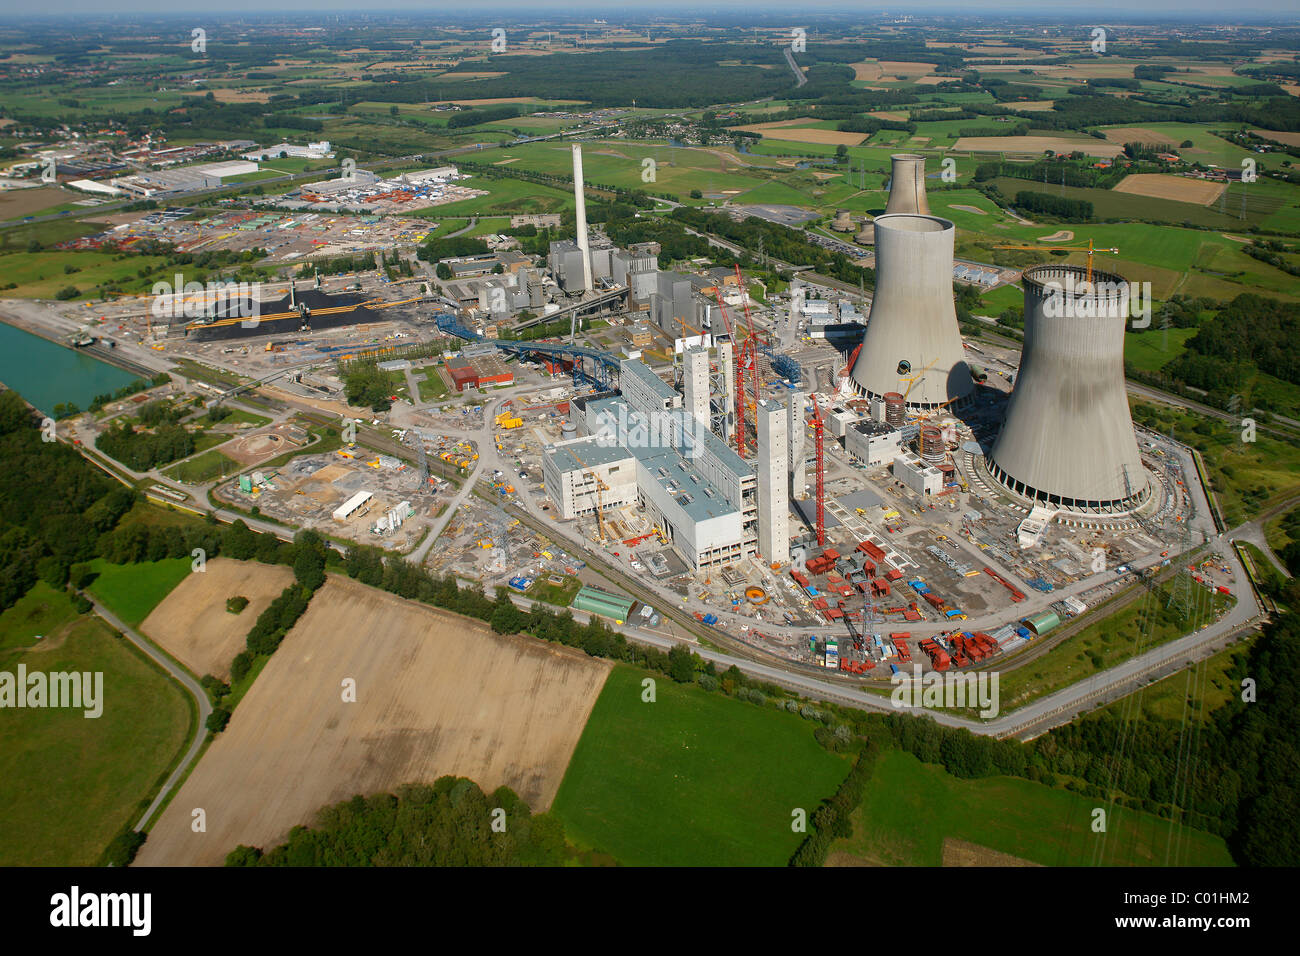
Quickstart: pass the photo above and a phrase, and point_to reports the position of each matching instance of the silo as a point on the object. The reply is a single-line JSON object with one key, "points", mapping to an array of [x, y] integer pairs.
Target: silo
{"points": [[1068, 440], [907, 184], [912, 344], [895, 409], [932, 447]]}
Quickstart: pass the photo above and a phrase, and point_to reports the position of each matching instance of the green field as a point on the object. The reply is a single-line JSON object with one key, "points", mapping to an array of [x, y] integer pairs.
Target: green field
{"points": [[561, 595], [504, 196], [69, 783], [41, 611], [208, 466], [1209, 690], [131, 591], [40, 275], [1153, 349], [1143, 624], [911, 808], [1247, 477], [694, 779]]}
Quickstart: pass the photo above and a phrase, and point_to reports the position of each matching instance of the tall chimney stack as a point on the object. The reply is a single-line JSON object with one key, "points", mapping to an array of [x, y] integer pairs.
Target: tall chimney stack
{"points": [[580, 202]]}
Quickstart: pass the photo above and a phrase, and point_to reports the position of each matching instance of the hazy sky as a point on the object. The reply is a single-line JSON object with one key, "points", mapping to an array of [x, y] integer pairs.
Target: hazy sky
{"points": [[1048, 9]]}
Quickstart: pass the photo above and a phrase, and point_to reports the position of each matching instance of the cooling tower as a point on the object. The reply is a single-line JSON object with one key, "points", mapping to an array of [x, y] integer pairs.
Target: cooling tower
{"points": [[1068, 439], [912, 344], [907, 185]]}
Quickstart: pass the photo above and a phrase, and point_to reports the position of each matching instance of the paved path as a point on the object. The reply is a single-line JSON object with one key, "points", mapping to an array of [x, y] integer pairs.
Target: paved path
{"points": [[183, 678]]}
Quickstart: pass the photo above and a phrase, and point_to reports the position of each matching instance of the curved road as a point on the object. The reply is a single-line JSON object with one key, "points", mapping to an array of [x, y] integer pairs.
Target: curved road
{"points": [[181, 677]]}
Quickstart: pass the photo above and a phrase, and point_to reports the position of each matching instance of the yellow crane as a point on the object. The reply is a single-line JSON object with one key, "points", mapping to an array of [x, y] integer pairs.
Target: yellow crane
{"points": [[1090, 251], [600, 487]]}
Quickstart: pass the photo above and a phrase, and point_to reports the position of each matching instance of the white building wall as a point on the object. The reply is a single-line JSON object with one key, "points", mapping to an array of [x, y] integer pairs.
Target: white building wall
{"points": [[773, 486]]}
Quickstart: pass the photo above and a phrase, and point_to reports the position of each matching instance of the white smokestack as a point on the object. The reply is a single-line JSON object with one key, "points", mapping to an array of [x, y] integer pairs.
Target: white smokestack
{"points": [[580, 201]]}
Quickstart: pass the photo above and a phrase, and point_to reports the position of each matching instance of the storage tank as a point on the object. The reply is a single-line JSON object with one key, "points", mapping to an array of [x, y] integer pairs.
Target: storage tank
{"points": [[912, 344], [568, 430], [907, 184], [1068, 440]]}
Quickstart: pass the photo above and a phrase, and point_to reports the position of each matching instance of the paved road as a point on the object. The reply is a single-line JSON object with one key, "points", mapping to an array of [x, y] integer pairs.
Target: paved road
{"points": [[185, 680]]}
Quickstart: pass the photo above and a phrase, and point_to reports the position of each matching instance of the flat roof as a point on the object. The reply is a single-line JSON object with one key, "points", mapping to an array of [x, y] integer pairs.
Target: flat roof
{"points": [[643, 373], [589, 449]]}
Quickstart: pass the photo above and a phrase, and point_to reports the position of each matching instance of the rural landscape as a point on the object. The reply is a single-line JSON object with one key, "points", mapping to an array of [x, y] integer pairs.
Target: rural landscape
{"points": [[557, 438]]}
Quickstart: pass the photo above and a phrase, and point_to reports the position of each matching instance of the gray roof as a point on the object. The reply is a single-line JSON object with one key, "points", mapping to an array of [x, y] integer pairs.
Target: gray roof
{"points": [[643, 373], [589, 449]]}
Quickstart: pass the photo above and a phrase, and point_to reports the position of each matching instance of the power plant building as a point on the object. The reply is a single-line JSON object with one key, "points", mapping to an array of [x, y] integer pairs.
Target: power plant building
{"points": [[912, 344], [1068, 441], [873, 443], [773, 483], [583, 472]]}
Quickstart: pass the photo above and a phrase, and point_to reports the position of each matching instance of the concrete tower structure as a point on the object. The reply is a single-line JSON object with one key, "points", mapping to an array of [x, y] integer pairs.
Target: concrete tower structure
{"points": [[912, 344], [907, 185], [727, 362], [1068, 441], [580, 202], [796, 427], [773, 483], [695, 383]]}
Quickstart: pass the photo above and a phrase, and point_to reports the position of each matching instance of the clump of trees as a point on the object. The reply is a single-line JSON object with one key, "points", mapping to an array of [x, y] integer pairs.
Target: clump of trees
{"points": [[452, 823]]}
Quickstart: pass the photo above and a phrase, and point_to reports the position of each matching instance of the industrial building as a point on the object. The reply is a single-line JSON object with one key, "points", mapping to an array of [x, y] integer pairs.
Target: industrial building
{"points": [[913, 344], [873, 443], [700, 493], [582, 474], [478, 371], [920, 477], [1067, 442], [184, 179]]}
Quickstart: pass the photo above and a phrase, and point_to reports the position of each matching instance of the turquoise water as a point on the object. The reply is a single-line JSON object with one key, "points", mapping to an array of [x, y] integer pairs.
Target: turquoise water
{"points": [[46, 374]]}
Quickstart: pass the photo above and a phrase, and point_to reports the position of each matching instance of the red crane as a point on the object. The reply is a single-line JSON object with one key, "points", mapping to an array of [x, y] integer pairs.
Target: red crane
{"points": [[819, 426], [740, 375], [752, 343]]}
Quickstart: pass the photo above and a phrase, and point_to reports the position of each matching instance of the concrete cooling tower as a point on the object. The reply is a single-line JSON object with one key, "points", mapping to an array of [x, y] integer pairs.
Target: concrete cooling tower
{"points": [[1068, 440], [912, 344], [907, 185]]}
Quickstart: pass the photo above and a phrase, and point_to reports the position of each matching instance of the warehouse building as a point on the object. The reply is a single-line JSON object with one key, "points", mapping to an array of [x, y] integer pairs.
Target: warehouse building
{"points": [[595, 601]]}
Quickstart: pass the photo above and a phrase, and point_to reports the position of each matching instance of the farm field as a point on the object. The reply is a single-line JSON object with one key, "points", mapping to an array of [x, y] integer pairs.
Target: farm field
{"points": [[436, 694], [694, 779], [69, 783], [38, 200], [131, 591], [616, 163], [1037, 144], [1177, 188], [911, 808], [192, 623]]}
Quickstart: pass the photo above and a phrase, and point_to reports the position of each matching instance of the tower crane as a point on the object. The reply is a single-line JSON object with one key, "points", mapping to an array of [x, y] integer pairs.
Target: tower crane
{"points": [[752, 342], [740, 376], [600, 487], [1090, 251]]}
